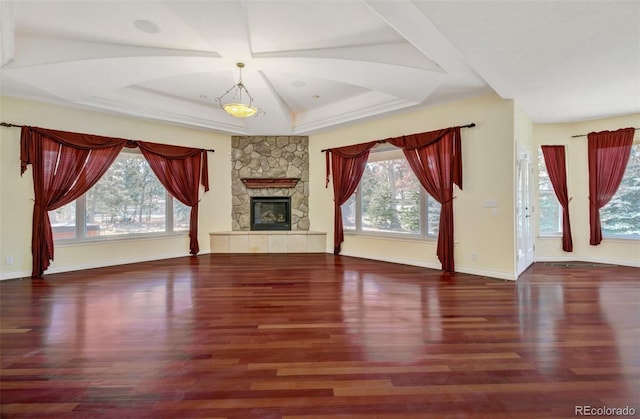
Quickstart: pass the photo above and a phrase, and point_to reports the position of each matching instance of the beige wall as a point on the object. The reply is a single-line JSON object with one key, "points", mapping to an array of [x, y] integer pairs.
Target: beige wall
{"points": [[16, 193], [625, 252], [489, 155], [488, 172]]}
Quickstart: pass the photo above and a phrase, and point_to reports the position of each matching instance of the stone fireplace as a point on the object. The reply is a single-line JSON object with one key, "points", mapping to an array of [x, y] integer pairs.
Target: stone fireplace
{"points": [[271, 168]]}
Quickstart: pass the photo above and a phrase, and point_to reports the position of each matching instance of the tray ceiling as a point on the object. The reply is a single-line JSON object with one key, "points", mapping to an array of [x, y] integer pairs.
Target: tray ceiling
{"points": [[312, 65]]}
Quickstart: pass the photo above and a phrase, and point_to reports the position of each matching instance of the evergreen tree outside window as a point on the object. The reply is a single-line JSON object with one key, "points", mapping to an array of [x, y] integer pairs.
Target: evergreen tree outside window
{"points": [[620, 218], [390, 200], [128, 200]]}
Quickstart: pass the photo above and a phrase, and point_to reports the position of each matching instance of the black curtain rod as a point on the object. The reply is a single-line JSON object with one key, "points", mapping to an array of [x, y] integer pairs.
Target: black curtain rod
{"points": [[586, 135], [471, 125], [8, 125]]}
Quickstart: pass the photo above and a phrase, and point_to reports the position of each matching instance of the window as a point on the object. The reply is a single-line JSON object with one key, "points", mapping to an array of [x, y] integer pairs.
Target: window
{"points": [[128, 200], [620, 218], [390, 199], [550, 210]]}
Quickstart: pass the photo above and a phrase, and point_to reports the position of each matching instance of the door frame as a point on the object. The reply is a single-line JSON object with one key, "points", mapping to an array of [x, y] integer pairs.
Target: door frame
{"points": [[525, 240]]}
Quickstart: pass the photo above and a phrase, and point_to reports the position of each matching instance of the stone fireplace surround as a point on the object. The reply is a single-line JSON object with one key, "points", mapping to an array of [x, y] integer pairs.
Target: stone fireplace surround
{"points": [[266, 166], [269, 158]]}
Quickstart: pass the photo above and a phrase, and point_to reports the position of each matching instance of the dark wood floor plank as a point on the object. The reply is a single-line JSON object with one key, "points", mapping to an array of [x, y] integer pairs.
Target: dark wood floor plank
{"points": [[315, 336]]}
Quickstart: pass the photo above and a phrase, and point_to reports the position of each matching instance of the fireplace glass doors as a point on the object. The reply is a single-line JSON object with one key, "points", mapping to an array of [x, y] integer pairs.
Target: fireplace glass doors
{"points": [[270, 213]]}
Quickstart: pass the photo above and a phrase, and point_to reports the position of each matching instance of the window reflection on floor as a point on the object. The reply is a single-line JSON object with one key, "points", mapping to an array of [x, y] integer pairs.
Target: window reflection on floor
{"points": [[148, 311], [391, 320]]}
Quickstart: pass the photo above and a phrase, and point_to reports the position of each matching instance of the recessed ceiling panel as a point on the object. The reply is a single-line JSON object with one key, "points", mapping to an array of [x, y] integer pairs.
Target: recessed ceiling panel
{"points": [[316, 64], [108, 22], [302, 93], [198, 87], [302, 25]]}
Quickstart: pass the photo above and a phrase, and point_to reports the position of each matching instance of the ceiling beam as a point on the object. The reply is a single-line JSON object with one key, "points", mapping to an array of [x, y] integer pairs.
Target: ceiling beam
{"points": [[406, 19], [7, 33]]}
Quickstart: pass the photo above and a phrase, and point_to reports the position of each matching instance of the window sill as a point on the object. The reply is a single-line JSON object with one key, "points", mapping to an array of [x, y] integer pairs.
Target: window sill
{"points": [[621, 239], [392, 237], [119, 239]]}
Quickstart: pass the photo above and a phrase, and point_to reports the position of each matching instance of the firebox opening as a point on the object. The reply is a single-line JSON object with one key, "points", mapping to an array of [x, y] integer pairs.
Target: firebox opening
{"points": [[270, 213]]}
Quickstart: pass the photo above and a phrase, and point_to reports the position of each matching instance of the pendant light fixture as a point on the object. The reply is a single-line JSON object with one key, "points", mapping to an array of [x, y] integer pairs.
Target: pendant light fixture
{"points": [[234, 104]]}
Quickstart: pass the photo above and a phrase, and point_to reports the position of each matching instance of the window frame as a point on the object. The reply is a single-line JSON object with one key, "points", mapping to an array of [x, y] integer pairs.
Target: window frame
{"points": [[423, 235], [550, 191], [81, 219]]}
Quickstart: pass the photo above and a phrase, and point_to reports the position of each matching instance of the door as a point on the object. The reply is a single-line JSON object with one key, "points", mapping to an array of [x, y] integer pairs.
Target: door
{"points": [[525, 242]]}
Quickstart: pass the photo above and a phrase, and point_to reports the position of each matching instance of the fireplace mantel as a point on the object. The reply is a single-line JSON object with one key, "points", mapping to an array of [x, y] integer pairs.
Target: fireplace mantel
{"points": [[257, 183]]}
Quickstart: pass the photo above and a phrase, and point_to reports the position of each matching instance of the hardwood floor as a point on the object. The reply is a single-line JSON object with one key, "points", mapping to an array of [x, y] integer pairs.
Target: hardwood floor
{"points": [[315, 335]]}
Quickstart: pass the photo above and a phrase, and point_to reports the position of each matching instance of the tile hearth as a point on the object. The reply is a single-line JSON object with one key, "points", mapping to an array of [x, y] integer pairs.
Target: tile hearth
{"points": [[301, 241]]}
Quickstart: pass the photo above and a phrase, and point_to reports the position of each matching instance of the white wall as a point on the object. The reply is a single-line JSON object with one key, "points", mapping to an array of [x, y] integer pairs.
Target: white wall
{"points": [[624, 252], [488, 173], [16, 192]]}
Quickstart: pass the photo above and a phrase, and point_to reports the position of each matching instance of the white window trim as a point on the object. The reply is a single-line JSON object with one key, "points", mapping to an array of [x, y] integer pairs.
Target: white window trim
{"points": [[80, 215]]}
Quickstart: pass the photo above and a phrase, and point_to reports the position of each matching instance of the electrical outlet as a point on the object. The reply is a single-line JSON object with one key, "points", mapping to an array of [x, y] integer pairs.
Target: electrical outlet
{"points": [[474, 256], [9, 260]]}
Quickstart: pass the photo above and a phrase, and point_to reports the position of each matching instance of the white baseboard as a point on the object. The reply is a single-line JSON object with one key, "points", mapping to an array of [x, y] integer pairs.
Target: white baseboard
{"points": [[92, 265], [401, 261], [606, 261], [510, 276], [507, 276], [15, 275]]}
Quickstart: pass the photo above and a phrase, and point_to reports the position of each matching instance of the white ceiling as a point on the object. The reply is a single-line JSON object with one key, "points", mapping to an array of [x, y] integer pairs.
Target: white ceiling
{"points": [[315, 64]]}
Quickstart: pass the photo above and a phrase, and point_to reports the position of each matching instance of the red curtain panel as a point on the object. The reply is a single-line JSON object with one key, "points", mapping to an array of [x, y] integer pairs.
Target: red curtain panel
{"points": [[346, 165], [436, 159], [181, 170], [554, 159], [609, 153], [65, 166]]}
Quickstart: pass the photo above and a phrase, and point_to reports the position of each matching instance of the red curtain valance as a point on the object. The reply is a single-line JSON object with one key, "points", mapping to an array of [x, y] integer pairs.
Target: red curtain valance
{"points": [[174, 152], [69, 139], [347, 152], [415, 141], [67, 164]]}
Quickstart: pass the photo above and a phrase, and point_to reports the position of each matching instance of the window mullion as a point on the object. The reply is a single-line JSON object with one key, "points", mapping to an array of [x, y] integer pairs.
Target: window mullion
{"points": [[358, 210], [81, 217], [169, 213], [424, 213]]}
